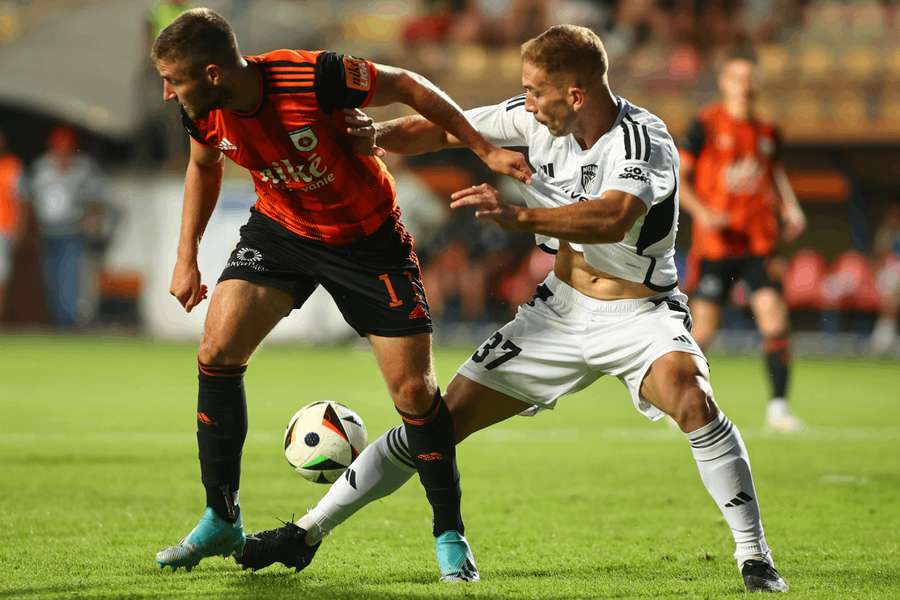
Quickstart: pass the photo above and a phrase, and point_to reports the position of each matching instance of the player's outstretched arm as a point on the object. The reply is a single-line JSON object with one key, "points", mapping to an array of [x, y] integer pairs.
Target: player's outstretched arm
{"points": [[406, 87], [604, 220], [202, 182], [407, 135]]}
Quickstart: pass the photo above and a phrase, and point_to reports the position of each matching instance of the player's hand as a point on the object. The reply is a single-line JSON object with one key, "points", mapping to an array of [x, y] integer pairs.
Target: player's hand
{"points": [[712, 219], [794, 224], [486, 201], [508, 162], [186, 286], [362, 128]]}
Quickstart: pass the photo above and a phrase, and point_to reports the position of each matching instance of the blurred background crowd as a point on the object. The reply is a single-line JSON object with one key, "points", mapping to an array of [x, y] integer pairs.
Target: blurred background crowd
{"points": [[91, 159]]}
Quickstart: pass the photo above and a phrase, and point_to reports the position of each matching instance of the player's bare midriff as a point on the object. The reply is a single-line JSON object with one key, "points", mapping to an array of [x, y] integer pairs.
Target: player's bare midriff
{"points": [[571, 268]]}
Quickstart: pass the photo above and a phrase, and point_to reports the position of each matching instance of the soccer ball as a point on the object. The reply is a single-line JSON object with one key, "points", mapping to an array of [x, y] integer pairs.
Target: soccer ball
{"points": [[322, 439]]}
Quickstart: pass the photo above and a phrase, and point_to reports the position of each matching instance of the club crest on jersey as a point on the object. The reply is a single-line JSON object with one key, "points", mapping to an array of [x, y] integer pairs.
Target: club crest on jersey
{"points": [[588, 173], [304, 139]]}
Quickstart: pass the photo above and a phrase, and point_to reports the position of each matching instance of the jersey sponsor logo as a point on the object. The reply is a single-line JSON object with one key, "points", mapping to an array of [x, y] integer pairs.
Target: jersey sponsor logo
{"points": [[745, 176], [225, 145], [357, 74], [304, 139], [247, 257], [311, 174], [588, 174], [635, 173]]}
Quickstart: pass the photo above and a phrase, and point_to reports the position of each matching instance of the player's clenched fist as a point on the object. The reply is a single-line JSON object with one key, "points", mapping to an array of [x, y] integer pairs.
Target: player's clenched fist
{"points": [[186, 286]]}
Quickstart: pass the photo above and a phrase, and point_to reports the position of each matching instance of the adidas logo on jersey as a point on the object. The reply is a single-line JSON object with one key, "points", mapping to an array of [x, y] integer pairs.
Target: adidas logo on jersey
{"points": [[683, 339], [547, 169], [225, 145]]}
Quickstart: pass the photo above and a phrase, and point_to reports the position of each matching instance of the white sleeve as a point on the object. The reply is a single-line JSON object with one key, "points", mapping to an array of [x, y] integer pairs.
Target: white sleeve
{"points": [[643, 165], [504, 124]]}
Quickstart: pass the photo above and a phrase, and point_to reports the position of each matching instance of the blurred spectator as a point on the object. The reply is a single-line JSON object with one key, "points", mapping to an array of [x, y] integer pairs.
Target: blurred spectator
{"points": [[66, 193], [10, 222], [887, 255]]}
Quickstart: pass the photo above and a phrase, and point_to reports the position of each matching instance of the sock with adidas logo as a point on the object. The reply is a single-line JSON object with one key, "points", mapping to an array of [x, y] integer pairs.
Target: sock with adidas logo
{"points": [[725, 470]]}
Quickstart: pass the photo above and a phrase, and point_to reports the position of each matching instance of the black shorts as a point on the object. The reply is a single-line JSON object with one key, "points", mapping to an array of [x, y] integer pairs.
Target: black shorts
{"points": [[717, 277], [375, 281]]}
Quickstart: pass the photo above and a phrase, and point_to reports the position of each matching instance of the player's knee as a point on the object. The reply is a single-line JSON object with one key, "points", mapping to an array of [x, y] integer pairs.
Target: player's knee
{"points": [[412, 395], [213, 352], [694, 406]]}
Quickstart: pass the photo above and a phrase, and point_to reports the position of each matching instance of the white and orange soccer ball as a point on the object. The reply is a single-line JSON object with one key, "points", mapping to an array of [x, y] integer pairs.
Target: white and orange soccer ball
{"points": [[322, 439]]}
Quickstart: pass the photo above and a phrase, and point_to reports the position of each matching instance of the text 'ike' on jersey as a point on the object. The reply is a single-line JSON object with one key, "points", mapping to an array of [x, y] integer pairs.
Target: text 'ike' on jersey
{"points": [[637, 156], [733, 161], [295, 146]]}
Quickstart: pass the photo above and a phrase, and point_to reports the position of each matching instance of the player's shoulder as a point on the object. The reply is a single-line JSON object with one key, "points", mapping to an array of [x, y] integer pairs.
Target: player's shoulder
{"points": [[286, 57], [642, 135]]}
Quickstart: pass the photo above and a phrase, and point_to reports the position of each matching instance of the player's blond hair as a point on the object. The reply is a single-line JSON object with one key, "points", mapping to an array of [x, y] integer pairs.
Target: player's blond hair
{"points": [[201, 36], [569, 50]]}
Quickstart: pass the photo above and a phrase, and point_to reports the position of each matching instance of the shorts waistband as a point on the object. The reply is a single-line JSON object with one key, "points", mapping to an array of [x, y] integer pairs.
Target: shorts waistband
{"points": [[566, 293]]}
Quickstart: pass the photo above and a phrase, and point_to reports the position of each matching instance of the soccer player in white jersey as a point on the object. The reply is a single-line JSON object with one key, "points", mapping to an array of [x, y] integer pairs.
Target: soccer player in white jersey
{"points": [[604, 198]]}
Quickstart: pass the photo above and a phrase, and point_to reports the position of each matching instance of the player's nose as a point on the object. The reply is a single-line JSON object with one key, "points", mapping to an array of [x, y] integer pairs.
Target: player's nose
{"points": [[168, 92]]}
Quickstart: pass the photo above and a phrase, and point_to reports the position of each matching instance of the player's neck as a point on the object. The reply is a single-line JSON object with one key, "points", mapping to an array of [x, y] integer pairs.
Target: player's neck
{"points": [[246, 90], [738, 109], [596, 117]]}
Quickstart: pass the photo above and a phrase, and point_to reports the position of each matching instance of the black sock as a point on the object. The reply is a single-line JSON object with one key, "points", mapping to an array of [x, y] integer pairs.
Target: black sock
{"points": [[432, 445], [778, 363], [221, 429]]}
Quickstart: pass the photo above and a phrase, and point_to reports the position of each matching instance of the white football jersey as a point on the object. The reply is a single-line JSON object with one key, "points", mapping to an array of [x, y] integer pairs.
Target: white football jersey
{"points": [[637, 156]]}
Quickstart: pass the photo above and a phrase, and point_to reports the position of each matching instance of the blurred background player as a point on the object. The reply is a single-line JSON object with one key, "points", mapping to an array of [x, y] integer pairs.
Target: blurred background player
{"points": [[886, 252], [324, 216], [734, 187], [10, 220]]}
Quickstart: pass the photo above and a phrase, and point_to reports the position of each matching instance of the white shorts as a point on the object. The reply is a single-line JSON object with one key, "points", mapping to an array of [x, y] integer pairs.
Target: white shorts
{"points": [[562, 341]]}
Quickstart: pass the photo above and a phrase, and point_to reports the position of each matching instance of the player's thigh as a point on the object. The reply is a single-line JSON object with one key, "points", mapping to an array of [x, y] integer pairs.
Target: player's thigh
{"points": [[677, 383], [240, 315], [537, 357], [706, 315], [408, 369], [475, 407], [769, 311]]}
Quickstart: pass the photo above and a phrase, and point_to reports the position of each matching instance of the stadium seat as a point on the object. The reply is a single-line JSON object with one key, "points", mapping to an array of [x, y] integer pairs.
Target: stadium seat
{"points": [[803, 278], [850, 284]]}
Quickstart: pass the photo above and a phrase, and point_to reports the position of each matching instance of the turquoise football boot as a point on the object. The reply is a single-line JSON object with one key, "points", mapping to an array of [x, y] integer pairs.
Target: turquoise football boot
{"points": [[212, 536], [455, 558]]}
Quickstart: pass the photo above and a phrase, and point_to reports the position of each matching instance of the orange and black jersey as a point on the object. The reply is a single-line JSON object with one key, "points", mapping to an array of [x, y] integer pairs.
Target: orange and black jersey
{"points": [[733, 161], [294, 144]]}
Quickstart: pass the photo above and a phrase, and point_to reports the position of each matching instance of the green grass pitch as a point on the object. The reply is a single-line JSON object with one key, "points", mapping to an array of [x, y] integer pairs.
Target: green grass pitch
{"points": [[98, 471]]}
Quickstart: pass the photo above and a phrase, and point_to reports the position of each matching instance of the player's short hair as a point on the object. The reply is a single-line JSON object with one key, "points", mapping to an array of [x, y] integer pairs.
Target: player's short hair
{"points": [[742, 53], [569, 50], [200, 35]]}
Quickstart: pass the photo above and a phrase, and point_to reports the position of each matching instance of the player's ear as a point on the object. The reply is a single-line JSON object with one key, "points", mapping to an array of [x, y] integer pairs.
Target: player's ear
{"points": [[576, 97], [213, 74]]}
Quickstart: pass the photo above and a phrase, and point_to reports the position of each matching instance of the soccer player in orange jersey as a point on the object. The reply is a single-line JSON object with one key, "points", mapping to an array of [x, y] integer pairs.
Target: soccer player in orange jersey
{"points": [[734, 187], [324, 216]]}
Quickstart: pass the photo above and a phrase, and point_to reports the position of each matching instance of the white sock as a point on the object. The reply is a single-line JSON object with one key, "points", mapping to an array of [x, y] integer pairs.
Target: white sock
{"points": [[777, 408], [725, 470], [378, 471]]}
